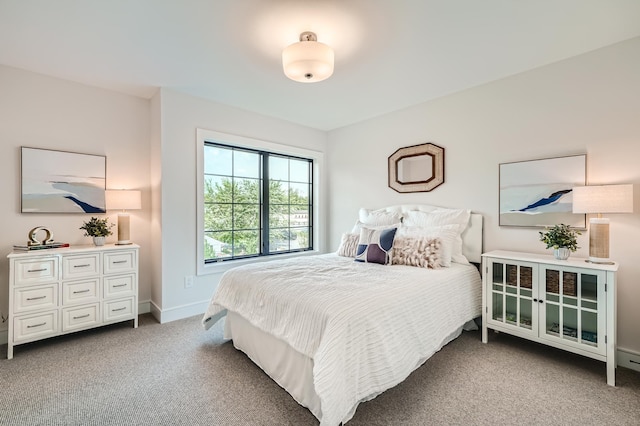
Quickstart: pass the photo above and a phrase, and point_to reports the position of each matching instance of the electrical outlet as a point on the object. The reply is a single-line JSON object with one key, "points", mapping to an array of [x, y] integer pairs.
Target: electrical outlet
{"points": [[188, 281]]}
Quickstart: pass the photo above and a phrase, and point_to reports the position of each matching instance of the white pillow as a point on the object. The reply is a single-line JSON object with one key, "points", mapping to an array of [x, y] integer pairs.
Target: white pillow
{"points": [[376, 218], [440, 217], [446, 233]]}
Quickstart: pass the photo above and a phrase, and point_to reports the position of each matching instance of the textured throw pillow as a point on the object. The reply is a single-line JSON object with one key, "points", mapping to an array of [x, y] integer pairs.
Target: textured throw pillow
{"points": [[447, 235], [348, 245], [440, 217], [375, 245], [420, 252]]}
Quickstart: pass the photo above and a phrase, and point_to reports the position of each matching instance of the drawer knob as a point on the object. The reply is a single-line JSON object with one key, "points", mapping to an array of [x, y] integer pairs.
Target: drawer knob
{"points": [[82, 266], [81, 291], [119, 261], [36, 298], [118, 309], [120, 285], [81, 316], [37, 270]]}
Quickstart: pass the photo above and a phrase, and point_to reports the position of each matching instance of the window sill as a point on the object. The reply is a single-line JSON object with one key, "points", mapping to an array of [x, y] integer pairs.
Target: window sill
{"points": [[221, 267]]}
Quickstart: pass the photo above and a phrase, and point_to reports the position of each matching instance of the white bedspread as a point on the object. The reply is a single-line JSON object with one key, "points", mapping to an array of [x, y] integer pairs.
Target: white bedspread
{"points": [[366, 326]]}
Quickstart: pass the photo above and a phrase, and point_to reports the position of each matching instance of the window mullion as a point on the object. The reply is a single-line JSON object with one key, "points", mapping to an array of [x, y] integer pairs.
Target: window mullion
{"points": [[265, 203]]}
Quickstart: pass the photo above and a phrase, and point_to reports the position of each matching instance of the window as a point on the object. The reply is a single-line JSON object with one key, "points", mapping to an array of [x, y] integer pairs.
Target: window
{"points": [[256, 202]]}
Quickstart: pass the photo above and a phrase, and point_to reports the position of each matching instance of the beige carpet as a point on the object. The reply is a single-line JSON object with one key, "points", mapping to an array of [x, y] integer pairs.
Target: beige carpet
{"points": [[179, 374]]}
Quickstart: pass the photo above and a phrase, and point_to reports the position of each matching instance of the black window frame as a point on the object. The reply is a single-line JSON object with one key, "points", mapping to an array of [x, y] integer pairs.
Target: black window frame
{"points": [[264, 204]]}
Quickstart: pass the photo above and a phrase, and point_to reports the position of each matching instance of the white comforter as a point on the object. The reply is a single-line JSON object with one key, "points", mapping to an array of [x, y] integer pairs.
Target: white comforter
{"points": [[366, 326]]}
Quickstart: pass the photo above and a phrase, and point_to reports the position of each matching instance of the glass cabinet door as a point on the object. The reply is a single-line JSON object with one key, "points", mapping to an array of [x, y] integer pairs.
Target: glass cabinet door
{"points": [[574, 307], [511, 300]]}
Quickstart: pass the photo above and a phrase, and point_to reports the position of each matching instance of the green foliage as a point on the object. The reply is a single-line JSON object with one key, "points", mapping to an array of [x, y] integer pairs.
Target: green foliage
{"points": [[97, 227], [561, 236], [232, 215]]}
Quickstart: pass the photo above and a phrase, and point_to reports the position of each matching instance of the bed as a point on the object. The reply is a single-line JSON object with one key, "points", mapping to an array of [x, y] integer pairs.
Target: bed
{"points": [[338, 329]]}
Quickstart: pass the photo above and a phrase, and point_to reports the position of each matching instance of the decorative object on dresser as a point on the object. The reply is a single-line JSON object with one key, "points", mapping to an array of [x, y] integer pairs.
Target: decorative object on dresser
{"points": [[34, 244], [566, 304], [418, 168], [601, 199], [562, 239], [99, 229], [62, 182], [123, 200], [537, 193], [54, 292]]}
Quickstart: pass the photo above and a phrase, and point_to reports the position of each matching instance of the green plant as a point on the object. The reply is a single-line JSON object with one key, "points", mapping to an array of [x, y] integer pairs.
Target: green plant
{"points": [[97, 227], [561, 236]]}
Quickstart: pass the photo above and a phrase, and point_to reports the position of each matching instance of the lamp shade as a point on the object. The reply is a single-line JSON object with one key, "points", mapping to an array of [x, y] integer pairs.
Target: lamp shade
{"points": [[308, 61], [123, 199], [603, 199]]}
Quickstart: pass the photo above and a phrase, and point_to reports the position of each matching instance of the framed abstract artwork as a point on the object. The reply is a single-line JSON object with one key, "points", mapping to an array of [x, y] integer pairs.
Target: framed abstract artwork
{"points": [[62, 182], [539, 193]]}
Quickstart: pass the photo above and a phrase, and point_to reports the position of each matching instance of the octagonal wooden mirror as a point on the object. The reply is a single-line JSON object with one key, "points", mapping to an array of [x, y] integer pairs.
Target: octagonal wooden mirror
{"points": [[417, 168]]}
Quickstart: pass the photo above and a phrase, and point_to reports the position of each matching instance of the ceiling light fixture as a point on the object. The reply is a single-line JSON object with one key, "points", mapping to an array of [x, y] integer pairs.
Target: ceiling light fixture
{"points": [[308, 61]]}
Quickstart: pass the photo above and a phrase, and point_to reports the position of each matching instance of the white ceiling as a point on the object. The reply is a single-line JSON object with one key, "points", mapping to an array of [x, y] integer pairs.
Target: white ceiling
{"points": [[390, 54]]}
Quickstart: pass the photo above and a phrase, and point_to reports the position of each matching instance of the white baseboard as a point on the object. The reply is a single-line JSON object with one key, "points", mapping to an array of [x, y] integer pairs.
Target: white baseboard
{"points": [[628, 359], [178, 312]]}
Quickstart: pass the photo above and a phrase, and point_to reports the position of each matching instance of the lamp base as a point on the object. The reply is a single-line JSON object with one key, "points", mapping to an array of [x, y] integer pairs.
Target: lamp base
{"points": [[599, 240], [123, 229], [600, 262]]}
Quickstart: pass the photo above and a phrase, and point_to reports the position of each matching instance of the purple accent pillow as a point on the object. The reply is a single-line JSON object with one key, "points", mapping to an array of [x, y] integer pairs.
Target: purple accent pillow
{"points": [[375, 245]]}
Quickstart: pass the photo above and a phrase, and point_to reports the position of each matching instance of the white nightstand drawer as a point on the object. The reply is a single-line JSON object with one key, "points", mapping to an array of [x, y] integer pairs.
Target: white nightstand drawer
{"points": [[120, 261], [119, 286], [36, 271], [75, 292], [34, 327], [118, 310], [36, 297], [80, 317], [87, 265]]}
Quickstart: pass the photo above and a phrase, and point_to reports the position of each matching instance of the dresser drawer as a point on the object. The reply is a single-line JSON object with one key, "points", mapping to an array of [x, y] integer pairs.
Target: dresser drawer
{"points": [[36, 271], [118, 310], [87, 265], [119, 286], [33, 327], [120, 261], [85, 316], [40, 297], [85, 291]]}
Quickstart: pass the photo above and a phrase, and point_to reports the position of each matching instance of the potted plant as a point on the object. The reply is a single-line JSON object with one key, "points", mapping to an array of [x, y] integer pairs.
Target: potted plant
{"points": [[99, 229], [562, 238]]}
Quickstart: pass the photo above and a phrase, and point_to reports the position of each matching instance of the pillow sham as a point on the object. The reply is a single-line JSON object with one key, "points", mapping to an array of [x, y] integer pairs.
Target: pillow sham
{"points": [[370, 218], [375, 245], [420, 252], [348, 245], [446, 233], [440, 217]]}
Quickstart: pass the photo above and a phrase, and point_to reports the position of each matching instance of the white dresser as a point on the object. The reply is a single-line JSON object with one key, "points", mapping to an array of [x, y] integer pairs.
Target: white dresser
{"points": [[59, 291]]}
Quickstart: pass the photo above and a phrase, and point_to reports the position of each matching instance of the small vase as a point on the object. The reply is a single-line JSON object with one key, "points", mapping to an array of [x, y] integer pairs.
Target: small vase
{"points": [[99, 241], [561, 253]]}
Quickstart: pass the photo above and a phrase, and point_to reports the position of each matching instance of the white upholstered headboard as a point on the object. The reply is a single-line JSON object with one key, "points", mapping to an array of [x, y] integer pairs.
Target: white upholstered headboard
{"points": [[471, 237]]}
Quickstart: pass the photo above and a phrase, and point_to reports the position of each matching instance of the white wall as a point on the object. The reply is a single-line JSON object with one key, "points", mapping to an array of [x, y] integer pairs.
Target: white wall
{"points": [[44, 112], [588, 104], [175, 214]]}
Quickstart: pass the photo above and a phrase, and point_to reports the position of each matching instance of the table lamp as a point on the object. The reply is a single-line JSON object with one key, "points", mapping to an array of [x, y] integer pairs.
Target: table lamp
{"points": [[601, 199], [123, 199]]}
